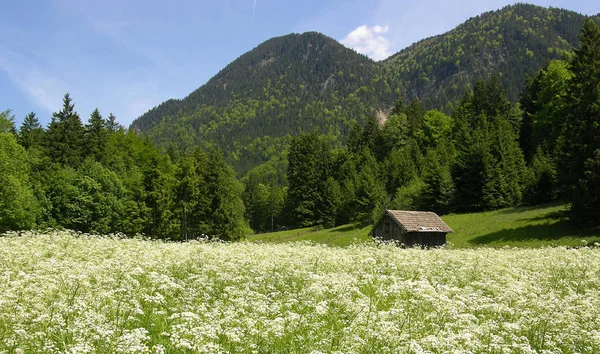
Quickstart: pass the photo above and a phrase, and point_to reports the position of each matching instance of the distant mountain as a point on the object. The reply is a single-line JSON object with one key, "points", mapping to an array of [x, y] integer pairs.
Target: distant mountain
{"points": [[285, 85], [306, 82], [513, 42]]}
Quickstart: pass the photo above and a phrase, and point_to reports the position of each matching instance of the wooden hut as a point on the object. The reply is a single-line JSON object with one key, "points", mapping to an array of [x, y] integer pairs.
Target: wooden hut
{"points": [[412, 228]]}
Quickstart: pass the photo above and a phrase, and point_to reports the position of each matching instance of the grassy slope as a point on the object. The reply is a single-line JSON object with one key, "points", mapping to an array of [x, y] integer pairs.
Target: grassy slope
{"points": [[521, 227]]}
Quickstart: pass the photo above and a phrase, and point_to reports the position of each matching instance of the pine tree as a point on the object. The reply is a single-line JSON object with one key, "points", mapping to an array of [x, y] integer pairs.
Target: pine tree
{"points": [[64, 138], [308, 170], [111, 124], [30, 132], [95, 136], [580, 151]]}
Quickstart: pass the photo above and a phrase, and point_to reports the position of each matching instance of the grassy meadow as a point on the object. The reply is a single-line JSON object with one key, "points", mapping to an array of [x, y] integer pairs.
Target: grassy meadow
{"points": [[516, 227], [76, 293]]}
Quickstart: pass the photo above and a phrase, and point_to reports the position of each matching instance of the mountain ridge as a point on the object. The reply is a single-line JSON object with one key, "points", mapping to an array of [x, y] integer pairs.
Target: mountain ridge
{"points": [[309, 81]]}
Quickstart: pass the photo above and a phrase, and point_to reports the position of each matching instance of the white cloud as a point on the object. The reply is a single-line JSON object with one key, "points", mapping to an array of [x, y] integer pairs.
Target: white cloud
{"points": [[369, 41]]}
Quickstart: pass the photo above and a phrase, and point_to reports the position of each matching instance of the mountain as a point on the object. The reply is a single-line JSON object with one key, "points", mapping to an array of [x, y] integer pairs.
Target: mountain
{"points": [[306, 82], [298, 82], [513, 42]]}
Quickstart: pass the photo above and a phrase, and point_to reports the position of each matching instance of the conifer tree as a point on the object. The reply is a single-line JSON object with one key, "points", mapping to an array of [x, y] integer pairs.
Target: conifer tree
{"points": [[95, 136], [30, 132], [580, 155], [111, 124], [64, 138]]}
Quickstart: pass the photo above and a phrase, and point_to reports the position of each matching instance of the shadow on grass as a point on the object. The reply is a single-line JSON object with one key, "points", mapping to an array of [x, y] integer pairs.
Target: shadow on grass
{"points": [[551, 216], [546, 232], [347, 228], [521, 209]]}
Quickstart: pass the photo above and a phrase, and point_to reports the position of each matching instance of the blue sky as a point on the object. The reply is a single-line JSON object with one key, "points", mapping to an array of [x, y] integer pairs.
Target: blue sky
{"points": [[126, 56]]}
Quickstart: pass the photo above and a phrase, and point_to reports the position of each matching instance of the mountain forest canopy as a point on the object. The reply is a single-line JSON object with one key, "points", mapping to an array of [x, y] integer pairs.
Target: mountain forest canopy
{"points": [[301, 131], [309, 82]]}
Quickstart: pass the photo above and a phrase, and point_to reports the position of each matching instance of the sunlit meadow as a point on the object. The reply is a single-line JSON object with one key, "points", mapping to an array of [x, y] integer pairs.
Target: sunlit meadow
{"points": [[68, 292]]}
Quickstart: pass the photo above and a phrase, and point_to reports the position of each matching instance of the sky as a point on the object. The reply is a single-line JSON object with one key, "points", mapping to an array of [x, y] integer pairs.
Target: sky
{"points": [[127, 56]]}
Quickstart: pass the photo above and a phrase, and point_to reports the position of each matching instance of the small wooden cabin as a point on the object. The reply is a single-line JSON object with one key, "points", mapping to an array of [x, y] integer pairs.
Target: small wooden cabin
{"points": [[412, 228]]}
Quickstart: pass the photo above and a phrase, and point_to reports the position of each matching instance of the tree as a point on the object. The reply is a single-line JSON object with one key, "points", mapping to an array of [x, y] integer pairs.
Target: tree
{"points": [[489, 167], [111, 124], [191, 195], [226, 218], [30, 132], [415, 112], [542, 182], [308, 170], [18, 207], [544, 104], [7, 122], [436, 126], [438, 187], [64, 138], [95, 136], [580, 146]]}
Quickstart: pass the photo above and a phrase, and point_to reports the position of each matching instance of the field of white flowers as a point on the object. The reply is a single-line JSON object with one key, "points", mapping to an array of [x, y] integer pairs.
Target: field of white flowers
{"points": [[64, 292]]}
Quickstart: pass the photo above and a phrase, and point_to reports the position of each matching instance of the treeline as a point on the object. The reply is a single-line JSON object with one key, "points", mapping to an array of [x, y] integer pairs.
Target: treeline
{"points": [[102, 178], [310, 82], [489, 154]]}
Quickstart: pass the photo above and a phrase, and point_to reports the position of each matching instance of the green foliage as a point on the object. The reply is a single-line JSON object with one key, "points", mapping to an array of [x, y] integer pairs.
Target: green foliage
{"points": [[18, 206], [95, 135], [436, 126], [408, 197], [544, 104], [31, 132], [489, 167], [300, 83], [438, 187], [580, 144], [308, 171], [64, 137], [513, 41], [542, 180], [7, 122]]}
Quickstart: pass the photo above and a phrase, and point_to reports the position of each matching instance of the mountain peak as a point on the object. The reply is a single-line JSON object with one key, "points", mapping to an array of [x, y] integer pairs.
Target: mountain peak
{"points": [[309, 81]]}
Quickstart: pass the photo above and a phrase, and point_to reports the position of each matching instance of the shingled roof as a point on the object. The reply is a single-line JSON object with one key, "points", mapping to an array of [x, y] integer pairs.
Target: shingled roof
{"points": [[419, 221]]}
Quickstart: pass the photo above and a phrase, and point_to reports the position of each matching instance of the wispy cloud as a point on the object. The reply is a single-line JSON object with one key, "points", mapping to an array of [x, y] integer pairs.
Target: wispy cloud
{"points": [[42, 87], [370, 41]]}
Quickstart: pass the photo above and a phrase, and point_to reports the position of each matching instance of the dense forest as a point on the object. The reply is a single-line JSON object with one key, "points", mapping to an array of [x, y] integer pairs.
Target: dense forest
{"points": [[488, 153], [310, 82], [100, 177]]}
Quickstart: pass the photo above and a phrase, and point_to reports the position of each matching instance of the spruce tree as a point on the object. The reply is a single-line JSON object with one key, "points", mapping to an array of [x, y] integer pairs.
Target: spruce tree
{"points": [[30, 132], [111, 124], [95, 136], [64, 139], [580, 155]]}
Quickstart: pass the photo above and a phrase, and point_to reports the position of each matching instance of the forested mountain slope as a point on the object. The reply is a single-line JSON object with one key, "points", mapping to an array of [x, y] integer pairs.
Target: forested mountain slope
{"points": [[306, 82], [286, 85], [513, 42]]}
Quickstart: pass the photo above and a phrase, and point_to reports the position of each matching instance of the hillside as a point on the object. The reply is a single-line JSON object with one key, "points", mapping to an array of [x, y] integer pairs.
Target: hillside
{"points": [[515, 227], [305, 82], [512, 42], [298, 82]]}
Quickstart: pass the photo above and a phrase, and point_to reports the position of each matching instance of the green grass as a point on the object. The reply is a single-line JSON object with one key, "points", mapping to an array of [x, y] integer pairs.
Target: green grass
{"points": [[340, 236], [519, 227]]}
